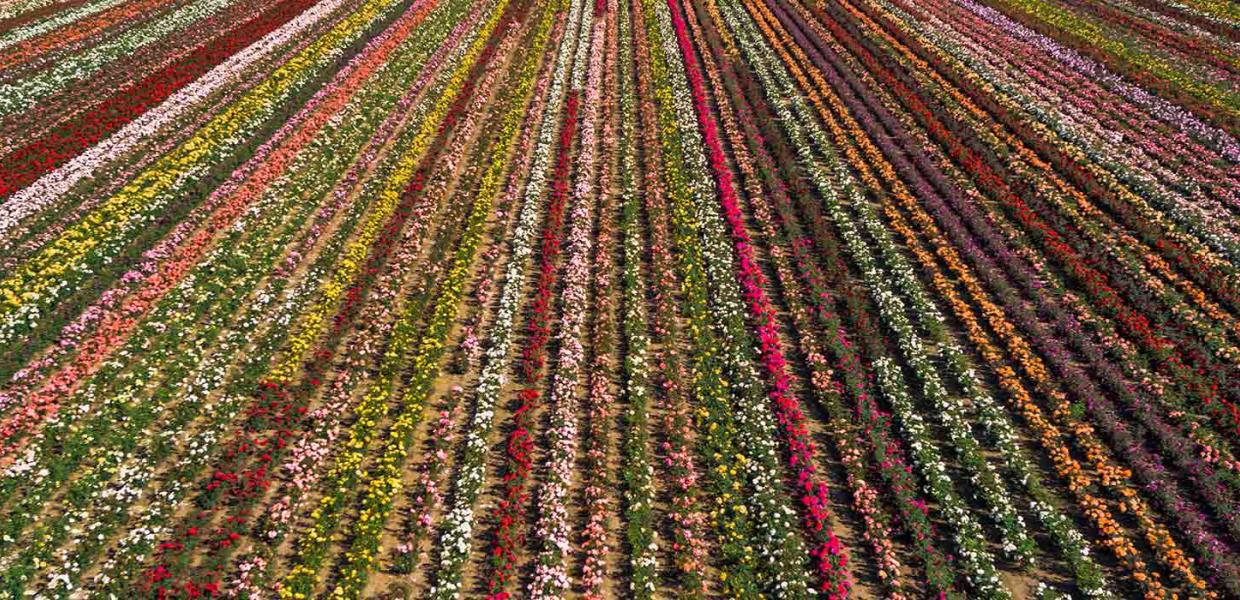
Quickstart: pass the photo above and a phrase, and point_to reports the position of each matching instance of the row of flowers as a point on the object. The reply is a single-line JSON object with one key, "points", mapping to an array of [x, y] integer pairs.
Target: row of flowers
{"points": [[991, 139], [261, 450], [1091, 157], [1146, 465], [428, 494], [32, 47], [386, 482], [403, 183], [1081, 112], [1071, 543], [1156, 107], [509, 533], [19, 28], [360, 557], [724, 374], [1133, 58], [830, 558], [101, 238], [23, 93], [199, 448], [637, 470], [300, 472], [679, 465], [1179, 306], [115, 316], [552, 526], [597, 488], [693, 378], [31, 56]]}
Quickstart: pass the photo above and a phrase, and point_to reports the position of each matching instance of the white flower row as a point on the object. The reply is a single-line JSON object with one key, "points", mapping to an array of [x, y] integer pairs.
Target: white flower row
{"points": [[639, 492], [552, 528]]}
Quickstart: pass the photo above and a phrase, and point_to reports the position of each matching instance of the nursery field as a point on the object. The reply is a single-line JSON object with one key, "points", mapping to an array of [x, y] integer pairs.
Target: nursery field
{"points": [[619, 299]]}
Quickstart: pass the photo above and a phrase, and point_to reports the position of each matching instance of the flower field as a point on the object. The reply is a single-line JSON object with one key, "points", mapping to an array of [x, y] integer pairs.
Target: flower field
{"points": [[619, 299]]}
